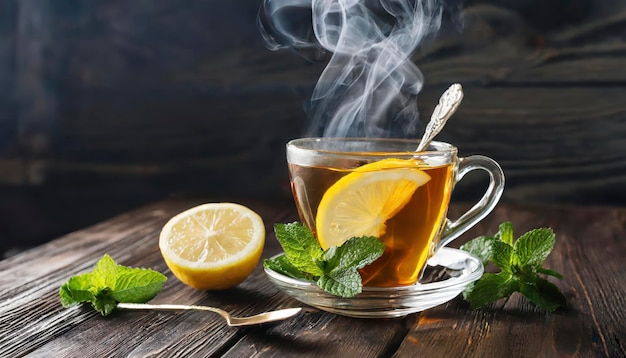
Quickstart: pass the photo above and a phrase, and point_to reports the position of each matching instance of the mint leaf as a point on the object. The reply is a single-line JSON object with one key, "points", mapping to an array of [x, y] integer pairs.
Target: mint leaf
{"points": [[520, 262], [136, 285], [505, 233], [104, 302], [77, 290], [490, 288], [533, 247], [502, 254], [341, 277], [344, 282], [544, 294], [481, 247], [110, 283], [281, 264], [526, 274], [334, 270], [300, 246], [354, 253], [549, 272], [104, 273]]}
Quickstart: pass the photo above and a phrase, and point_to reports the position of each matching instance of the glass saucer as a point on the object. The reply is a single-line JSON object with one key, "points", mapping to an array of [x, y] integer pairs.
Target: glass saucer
{"points": [[446, 275]]}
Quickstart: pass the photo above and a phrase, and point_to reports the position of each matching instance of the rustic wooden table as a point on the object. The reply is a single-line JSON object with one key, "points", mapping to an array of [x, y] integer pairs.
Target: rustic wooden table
{"points": [[590, 251]]}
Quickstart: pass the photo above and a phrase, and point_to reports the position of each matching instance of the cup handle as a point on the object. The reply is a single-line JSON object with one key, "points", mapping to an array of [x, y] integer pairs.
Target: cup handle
{"points": [[453, 229]]}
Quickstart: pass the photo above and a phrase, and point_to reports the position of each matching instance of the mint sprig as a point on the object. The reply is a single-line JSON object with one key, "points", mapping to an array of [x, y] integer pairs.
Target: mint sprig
{"points": [[334, 270], [520, 262], [110, 283]]}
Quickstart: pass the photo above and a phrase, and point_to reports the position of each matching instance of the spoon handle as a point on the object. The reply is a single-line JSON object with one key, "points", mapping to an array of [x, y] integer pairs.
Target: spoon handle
{"points": [[269, 316], [448, 104], [146, 306]]}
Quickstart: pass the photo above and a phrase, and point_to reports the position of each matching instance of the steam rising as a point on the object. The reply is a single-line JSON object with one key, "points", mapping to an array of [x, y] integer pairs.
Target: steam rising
{"points": [[369, 86]]}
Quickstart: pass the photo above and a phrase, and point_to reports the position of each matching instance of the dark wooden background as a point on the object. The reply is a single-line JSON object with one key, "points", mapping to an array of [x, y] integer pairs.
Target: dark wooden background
{"points": [[107, 105]]}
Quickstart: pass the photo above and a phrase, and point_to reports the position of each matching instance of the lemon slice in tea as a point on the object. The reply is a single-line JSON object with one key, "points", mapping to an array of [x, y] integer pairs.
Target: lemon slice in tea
{"points": [[361, 202], [213, 246]]}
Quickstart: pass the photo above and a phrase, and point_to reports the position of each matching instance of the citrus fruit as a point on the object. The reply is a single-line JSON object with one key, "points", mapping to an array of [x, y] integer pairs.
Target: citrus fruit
{"points": [[361, 202], [213, 246]]}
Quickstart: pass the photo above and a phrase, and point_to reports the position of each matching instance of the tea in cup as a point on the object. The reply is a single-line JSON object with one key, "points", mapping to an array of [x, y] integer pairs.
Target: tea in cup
{"points": [[352, 187]]}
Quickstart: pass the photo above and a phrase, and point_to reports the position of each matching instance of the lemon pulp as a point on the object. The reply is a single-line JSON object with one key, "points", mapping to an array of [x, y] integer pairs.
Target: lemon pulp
{"points": [[213, 246]]}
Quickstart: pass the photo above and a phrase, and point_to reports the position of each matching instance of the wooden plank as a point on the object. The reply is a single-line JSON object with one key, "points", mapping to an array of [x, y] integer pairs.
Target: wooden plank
{"points": [[235, 108], [8, 115], [588, 252], [499, 47], [317, 334], [131, 239], [531, 100], [554, 145]]}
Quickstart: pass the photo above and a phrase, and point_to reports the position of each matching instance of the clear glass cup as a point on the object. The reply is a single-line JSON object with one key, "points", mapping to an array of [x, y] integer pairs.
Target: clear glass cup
{"points": [[414, 224]]}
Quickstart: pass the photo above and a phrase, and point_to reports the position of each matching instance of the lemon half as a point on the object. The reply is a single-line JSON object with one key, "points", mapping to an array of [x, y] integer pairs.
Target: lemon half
{"points": [[360, 203], [213, 246]]}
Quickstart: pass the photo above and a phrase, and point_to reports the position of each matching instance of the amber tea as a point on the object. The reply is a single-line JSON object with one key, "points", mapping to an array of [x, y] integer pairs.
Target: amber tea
{"points": [[409, 233], [380, 187]]}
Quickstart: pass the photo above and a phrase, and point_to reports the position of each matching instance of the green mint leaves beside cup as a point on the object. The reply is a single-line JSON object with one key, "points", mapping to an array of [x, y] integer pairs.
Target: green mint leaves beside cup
{"points": [[110, 283], [334, 270], [520, 262]]}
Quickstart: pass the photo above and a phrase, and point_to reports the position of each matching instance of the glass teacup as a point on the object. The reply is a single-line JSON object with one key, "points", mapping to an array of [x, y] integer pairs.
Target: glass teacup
{"points": [[348, 187]]}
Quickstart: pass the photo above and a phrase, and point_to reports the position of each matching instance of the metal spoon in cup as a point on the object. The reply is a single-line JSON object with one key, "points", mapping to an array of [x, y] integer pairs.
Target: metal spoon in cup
{"points": [[448, 104], [265, 317]]}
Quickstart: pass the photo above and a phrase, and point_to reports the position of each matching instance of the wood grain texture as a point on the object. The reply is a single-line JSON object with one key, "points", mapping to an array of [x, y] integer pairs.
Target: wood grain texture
{"points": [[185, 110], [589, 252], [555, 146], [141, 100]]}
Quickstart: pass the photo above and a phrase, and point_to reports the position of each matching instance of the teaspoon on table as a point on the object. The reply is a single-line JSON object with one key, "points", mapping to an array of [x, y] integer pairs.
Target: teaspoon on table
{"points": [[265, 317]]}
